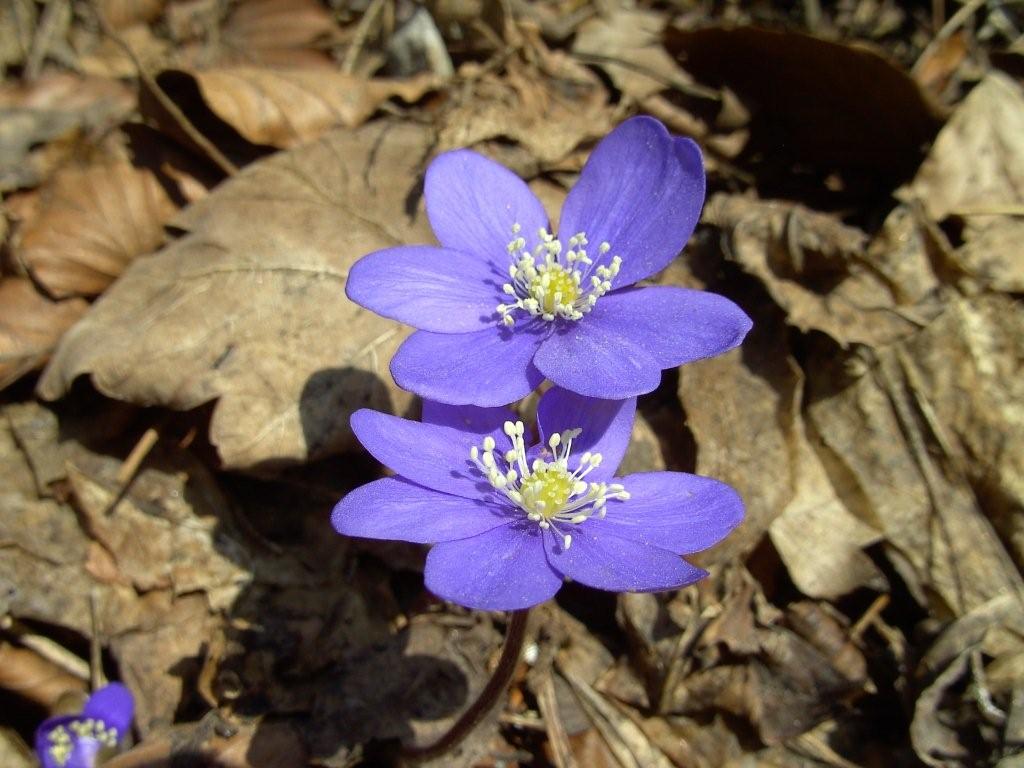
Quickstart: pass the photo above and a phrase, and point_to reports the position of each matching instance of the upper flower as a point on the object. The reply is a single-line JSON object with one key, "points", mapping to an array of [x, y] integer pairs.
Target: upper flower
{"points": [[511, 522], [504, 302], [77, 741]]}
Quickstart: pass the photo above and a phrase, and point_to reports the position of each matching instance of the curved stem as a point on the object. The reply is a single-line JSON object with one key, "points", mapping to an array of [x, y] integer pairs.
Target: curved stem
{"points": [[480, 708]]}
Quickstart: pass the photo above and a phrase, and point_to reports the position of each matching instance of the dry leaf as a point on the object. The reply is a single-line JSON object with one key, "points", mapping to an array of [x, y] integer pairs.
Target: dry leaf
{"points": [[978, 158], [818, 538], [965, 368], [276, 33], [32, 677], [249, 308], [878, 426], [626, 43], [825, 275], [548, 115], [125, 13], [158, 661], [975, 169], [174, 550], [45, 122], [30, 327], [92, 223], [286, 107]]}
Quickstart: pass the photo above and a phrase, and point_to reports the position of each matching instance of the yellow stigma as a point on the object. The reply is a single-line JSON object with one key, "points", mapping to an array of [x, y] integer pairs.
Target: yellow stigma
{"points": [[551, 283], [554, 287], [546, 491]]}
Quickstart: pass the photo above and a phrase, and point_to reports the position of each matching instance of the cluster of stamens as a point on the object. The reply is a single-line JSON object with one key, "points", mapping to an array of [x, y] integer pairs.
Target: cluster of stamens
{"points": [[548, 283], [546, 490], [62, 739]]}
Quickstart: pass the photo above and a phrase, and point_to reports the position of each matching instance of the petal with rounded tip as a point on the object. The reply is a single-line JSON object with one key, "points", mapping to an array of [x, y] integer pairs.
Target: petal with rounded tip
{"points": [[677, 511], [641, 191], [473, 202]]}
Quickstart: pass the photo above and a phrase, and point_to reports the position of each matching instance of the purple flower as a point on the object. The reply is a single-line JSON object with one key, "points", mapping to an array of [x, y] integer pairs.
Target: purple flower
{"points": [[503, 303], [76, 741], [510, 521]]}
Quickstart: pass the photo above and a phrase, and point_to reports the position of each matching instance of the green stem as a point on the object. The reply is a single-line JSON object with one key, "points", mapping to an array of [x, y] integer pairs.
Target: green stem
{"points": [[485, 702]]}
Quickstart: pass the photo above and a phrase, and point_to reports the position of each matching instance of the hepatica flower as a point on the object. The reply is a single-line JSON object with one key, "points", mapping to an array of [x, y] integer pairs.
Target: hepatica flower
{"points": [[511, 520], [77, 741], [504, 303]]}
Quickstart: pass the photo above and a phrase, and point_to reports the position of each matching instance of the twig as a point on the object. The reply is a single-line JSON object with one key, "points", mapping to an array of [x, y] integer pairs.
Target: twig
{"points": [[872, 613], [48, 649], [96, 675], [215, 155], [137, 456], [561, 750], [348, 64], [43, 38]]}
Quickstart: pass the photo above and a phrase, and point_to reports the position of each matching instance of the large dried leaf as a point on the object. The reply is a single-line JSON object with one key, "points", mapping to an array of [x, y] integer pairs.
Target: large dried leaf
{"points": [[92, 223], [286, 107], [249, 307], [825, 275], [902, 471], [978, 157], [976, 169], [30, 327]]}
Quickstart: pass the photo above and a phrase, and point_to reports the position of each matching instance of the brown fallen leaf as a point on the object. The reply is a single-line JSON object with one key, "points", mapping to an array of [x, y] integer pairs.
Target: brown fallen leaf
{"points": [[826, 275], [249, 309], [30, 327], [174, 550], [125, 13], [975, 170], [548, 113], [626, 43], [276, 33], [286, 107], [878, 425], [91, 224]]}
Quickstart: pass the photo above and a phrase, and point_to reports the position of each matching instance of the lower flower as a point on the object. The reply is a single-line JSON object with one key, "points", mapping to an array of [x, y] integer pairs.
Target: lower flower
{"points": [[511, 522], [80, 741]]}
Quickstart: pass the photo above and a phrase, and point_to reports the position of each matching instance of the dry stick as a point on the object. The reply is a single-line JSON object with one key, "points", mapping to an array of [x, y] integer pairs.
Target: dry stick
{"points": [[480, 708], [362, 32], [43, 37], [166, 102]]}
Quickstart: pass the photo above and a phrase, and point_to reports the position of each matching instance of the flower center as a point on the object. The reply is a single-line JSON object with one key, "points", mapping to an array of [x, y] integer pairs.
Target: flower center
{"points": [[547, 491], [548, 283], [62, 739]]}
